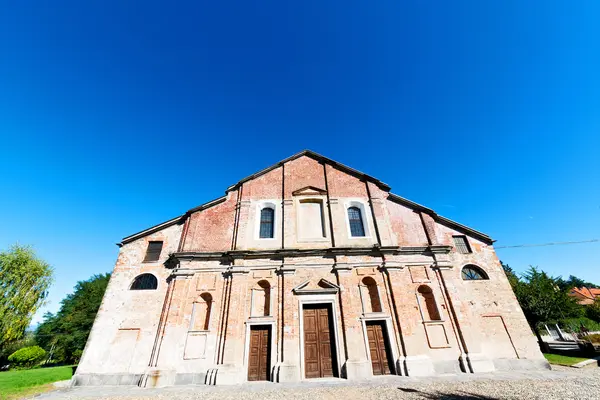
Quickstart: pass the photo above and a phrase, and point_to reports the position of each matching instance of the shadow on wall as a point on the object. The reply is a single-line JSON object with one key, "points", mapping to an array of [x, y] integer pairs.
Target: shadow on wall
{"points": [[448, 396]]}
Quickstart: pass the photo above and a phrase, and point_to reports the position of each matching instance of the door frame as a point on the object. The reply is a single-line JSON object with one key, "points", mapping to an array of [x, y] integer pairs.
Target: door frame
{"points": [[327, 300], [390, 338], [270, 324]]}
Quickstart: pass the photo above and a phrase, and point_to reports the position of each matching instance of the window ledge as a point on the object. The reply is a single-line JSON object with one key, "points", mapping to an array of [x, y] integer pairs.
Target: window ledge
{"points": [[319, 240], [371, 315], [252, 320], [433, 322]]}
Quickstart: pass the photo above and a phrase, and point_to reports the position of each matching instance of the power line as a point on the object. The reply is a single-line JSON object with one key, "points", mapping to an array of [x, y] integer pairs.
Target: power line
{"points": [[547, 244]]}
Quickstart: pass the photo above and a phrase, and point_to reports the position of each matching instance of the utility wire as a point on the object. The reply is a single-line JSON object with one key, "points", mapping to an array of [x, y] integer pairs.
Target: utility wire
{"points": [[546, 244]]}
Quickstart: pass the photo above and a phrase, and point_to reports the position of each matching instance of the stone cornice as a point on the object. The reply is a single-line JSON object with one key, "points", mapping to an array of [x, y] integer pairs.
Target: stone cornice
{"points": [[279, 254]]}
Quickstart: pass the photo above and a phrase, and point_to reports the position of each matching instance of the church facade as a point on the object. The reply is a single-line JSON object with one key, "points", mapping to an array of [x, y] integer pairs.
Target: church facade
{"points": [[307, 269]]}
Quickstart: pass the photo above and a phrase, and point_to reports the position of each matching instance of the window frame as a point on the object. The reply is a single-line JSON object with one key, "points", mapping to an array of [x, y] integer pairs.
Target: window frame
{"points": [[480, 271], [140, 276], [257, 217], [271, 223], [365, 219], [357, 223], [150, 242], [466, 243]]}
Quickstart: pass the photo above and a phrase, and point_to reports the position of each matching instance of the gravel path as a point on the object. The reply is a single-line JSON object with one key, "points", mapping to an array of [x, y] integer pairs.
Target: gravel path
{"points": [[561, 383]]}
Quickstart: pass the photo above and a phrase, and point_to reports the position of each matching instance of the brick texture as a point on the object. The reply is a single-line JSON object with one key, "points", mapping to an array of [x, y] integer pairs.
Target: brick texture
{"points": [[433, 320]]}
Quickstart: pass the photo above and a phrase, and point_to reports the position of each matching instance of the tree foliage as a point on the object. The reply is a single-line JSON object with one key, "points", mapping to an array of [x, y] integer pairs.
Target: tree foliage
{"points": [[65, 333], [573, 281], [26, 341], [27, 356], [543, 300], [592, 311], [541, 297], [24, 283], [513, 279]]}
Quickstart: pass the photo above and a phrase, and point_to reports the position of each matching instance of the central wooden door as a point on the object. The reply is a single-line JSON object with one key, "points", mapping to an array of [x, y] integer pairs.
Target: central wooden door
{"points": [[319, 342], [259, 358], [378, 346]]}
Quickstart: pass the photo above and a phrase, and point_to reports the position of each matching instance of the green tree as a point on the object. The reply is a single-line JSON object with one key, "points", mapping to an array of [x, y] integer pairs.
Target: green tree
{"points": [[592, 311], [26, 341], [573, 281], [510, 274], [65, 333], [24, 283], [542, 300]]}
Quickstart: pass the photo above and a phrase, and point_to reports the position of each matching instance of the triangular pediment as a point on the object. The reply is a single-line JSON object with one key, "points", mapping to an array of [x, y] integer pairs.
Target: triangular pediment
{"points": [[322, 286], [309, 191]]}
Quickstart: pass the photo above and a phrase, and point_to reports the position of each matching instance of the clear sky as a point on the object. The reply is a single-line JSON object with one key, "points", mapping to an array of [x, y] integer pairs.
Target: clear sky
{"points": [[115, 116]]}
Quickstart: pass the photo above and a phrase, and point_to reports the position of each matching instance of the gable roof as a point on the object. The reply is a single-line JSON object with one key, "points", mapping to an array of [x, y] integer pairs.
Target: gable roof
{"points": [[351, 171], [585, 292], [318, 157]]}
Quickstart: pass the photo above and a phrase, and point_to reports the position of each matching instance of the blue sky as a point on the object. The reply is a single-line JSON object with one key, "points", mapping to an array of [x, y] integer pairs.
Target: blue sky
{"points": [[115, 116]]}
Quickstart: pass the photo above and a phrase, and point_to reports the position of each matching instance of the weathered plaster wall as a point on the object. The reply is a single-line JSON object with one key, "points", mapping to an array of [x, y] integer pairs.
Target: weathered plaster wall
{"points": [[124, 331], [480, 326]]}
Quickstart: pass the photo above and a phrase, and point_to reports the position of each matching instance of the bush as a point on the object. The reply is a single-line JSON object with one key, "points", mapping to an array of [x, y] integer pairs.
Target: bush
{"points": [[595, 338], [575, 324], [27, 356]]}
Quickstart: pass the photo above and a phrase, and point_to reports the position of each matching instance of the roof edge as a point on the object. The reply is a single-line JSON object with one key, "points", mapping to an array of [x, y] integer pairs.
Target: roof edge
{"points": [[150, 230], [206, 205], [438, 218], [317, 157], [170, 222]]}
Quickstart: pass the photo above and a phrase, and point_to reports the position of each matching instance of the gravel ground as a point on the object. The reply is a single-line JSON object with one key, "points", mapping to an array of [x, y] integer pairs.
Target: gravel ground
{"points": [[561, 383]]}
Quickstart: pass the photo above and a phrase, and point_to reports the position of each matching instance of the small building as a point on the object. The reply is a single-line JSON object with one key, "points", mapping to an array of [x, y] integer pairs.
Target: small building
{"points": [[306, 269], [585, 296]]}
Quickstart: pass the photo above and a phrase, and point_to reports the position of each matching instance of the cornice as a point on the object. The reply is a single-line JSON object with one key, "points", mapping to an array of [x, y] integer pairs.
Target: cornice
{"points": [[278, 254]]}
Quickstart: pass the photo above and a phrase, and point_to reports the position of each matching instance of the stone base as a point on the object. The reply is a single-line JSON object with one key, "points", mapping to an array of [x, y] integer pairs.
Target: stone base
{"points": [[358, 369], [477, 362], [155, 378], [287, 373], [419, 366], [507, 364], [123, 379], [447, 367], [190, 379], [229, 375]]}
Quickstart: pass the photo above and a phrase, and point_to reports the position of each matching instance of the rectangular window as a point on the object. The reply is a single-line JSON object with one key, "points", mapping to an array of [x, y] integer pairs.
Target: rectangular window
{"points": [[153, 251], [462, 244], [267, 220]]}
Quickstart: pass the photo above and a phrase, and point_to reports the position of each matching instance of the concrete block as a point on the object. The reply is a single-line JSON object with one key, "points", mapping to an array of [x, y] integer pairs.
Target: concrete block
{"points": [[419, 365], [358, 369]]}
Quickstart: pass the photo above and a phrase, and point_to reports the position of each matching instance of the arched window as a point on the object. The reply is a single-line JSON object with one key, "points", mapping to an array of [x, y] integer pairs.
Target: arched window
{"points": [[473, 273], [202, 309], [267, 222], [357, 229], [371, 300], [427, 304], [261, 299], [144, 282]]}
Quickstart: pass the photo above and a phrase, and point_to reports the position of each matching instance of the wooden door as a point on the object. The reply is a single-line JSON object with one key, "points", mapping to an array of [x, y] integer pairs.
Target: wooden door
{"points": [[259, 359], [319, 348], [378, 346]]}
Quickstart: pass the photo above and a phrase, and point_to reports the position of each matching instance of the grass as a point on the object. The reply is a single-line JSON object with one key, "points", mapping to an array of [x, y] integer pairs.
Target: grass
{"points": [[563, 360], [18, 384]]}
